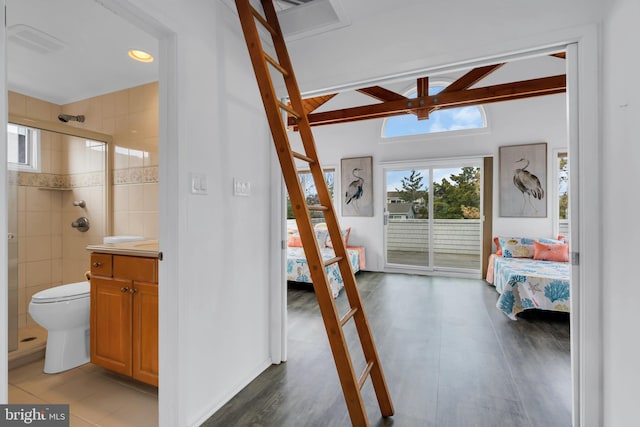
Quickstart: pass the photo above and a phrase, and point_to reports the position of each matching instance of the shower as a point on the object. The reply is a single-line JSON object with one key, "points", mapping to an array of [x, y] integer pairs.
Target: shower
{"points": [[69, 118], [70, 180]]}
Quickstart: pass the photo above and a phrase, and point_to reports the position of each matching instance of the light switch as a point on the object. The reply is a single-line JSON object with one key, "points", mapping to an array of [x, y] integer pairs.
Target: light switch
{"points": [[198, 183], [241, 188]]}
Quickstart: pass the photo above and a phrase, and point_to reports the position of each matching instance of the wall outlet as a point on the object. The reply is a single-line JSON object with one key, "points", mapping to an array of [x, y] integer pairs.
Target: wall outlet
{"points": [[241, 188]]}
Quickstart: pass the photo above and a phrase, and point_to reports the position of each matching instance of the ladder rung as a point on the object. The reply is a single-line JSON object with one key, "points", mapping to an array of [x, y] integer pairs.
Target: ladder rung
{"points": [[289, 110], [364, 375], [332, 261], [263, 21], [318, 208], [275, 64], [348, 316], [303, 157]]}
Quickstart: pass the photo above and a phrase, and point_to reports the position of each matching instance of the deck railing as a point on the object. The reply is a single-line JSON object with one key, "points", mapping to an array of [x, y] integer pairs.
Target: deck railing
{"points": [[455, 236]]}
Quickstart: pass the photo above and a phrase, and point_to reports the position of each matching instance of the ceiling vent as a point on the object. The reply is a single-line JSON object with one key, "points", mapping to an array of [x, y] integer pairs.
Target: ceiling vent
{"points": [[311, 18], [34, 39]]}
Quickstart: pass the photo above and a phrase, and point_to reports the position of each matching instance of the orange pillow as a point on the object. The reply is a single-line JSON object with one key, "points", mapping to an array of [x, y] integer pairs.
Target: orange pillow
{"points": [[496, 240], [551, 251], [294, 241]]}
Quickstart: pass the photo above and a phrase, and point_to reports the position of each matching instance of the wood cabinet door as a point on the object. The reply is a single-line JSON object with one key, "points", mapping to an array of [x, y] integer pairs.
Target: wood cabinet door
{"points": [[111, 329], [145, 332]]}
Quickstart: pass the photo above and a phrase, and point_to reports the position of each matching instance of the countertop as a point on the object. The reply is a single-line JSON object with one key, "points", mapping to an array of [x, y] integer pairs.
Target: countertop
{"points": [[146, 248]]}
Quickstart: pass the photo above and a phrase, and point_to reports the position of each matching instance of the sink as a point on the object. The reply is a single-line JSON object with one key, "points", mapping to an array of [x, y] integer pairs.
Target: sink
{"points": [[121, 239]]}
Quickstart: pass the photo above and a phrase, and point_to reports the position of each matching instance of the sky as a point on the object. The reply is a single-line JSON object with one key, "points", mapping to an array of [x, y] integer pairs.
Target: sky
{"points": [[438, 121], [394, 177]]}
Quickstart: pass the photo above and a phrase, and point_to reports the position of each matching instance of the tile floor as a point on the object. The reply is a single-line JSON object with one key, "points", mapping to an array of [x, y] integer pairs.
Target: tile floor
{"points": [[96, 397]]}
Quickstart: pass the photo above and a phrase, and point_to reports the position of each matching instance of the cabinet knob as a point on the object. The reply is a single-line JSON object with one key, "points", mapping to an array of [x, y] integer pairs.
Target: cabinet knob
{"points": [[133, 291], [97, 264], [124, 289]]}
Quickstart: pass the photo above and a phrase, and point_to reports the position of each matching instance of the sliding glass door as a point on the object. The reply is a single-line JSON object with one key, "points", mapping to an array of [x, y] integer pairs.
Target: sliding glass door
{"points": [[432, 216]]}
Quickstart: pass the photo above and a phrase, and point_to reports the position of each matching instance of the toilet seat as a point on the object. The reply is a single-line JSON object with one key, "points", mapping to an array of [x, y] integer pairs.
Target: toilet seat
{"points": [[69, 292]]}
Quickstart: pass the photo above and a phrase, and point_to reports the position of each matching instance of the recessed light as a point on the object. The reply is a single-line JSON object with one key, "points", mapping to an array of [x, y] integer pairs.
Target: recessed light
{"points": [[140, 55]]}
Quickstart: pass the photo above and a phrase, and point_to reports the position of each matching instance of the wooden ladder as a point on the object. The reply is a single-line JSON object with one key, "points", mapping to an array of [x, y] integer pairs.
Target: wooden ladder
{"points": [[275, 109]]}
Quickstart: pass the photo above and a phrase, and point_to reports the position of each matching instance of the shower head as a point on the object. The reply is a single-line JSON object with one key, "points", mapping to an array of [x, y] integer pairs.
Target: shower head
{"points": [[69, 118]]}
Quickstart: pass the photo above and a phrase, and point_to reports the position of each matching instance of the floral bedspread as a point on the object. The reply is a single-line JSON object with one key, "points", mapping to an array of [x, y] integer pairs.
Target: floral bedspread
{"points": [[524, 283], [298, 269]]}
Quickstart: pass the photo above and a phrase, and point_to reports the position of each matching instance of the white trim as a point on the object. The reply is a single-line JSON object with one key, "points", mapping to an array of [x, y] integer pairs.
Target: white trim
{"points": [[278, 263], [583, 91], [4, 252], [171, 405]]}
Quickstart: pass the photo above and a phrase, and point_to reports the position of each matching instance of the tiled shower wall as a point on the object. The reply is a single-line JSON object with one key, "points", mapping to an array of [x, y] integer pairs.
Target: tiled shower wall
{"points": [[131, 117], [51, 252]]}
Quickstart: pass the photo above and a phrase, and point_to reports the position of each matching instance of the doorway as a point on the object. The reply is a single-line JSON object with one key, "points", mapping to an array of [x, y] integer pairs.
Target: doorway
{"points": [[134, 125], [432, 216]]}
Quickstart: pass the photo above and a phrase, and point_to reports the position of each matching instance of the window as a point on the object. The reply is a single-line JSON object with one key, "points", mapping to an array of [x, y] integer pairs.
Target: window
{"points": [[23, 151], [452, 119], [311, 193], [562, 166], [437, 225]]}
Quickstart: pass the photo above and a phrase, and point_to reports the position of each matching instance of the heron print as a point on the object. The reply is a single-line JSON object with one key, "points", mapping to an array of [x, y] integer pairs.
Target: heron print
{"points": [[523, 171], [357, 187], [528, 184]]}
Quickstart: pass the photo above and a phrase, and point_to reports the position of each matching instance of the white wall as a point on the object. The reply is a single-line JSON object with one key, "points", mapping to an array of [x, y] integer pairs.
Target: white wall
{"points": [[621, 154], [214, 289], [218, 338], [534, 120]]}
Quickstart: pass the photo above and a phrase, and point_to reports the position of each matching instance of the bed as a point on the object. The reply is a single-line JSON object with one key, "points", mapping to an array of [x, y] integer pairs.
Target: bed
{"points": [[525, 283], [298, 268]]}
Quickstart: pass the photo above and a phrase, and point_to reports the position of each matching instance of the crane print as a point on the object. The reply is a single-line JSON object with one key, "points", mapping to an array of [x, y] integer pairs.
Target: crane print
{"points": [[356, 186], [528, 184], [354, 190]]}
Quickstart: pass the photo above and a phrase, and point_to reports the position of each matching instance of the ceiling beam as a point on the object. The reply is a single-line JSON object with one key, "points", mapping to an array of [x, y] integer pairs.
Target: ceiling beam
{"points": [[422, 89], [311, 104], [381, 94], [471, 78], [459, 98]]}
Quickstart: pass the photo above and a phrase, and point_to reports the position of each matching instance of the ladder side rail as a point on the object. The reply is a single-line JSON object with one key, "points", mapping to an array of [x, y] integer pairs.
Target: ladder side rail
{"points": [[333, 226], [337, 341], [306, 135], [348, 379], [278, 130]]}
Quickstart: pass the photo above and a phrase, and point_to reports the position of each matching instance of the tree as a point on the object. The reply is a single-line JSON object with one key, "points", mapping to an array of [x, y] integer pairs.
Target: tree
{"points": [[458, 196], [412, 187], [564, 193], [413, 191]]}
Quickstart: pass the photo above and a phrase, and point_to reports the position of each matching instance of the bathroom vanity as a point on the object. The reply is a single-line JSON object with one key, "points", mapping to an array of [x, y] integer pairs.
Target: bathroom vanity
{"points": [[124, 308]]}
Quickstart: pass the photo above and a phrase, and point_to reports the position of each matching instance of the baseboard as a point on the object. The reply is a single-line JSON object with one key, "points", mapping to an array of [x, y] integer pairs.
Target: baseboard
{"points": [[25, 359]]}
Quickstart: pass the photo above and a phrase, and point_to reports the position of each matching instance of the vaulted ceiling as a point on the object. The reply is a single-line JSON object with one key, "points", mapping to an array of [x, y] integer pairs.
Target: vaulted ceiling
{"points": [[472, 87], [67, 50]]}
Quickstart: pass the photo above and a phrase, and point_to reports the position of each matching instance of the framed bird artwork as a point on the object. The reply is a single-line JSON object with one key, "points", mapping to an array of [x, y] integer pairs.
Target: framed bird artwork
{"points": [[523, 180], [357, 186]]}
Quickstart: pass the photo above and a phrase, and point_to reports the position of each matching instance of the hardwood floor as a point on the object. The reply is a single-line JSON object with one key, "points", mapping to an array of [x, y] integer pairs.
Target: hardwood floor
{"points": [[450, 359]]}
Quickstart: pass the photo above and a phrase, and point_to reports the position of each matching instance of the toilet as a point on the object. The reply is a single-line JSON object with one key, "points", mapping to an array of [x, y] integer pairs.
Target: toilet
{"points": [[64, 312]]}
